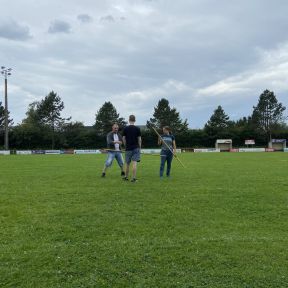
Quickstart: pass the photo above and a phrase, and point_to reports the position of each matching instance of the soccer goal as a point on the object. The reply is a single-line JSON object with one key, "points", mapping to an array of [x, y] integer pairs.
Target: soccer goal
{"points": [[223, 144], [277, 144]]}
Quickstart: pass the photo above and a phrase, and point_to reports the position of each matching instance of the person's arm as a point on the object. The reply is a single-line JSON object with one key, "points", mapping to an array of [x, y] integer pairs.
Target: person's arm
{"points": [[139, 142], [139, 138], [174, 146], [109, 139], [124, 137], [159, 141]]}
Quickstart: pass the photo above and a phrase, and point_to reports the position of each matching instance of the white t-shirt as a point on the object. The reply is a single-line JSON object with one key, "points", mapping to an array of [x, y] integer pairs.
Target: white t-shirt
{"points": [[116, 138]]}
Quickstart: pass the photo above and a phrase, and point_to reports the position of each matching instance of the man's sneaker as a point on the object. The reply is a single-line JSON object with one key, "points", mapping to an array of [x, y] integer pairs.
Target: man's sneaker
{"points": [[103, 174], [122, 173], [125, 179], [134, 180]]}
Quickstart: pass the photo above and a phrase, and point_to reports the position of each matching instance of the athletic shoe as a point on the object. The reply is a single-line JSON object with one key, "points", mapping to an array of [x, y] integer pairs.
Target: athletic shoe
{"points": [[134, 180], [125, 179], [122, 173], [103, 175]]}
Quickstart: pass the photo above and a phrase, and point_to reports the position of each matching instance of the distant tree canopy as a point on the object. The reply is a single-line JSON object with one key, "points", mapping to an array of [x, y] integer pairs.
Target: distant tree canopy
{"points": [[49, 111], [164, 115], [45, 117], [219, 121], [106, 117], [44, 127], [268, 114]]}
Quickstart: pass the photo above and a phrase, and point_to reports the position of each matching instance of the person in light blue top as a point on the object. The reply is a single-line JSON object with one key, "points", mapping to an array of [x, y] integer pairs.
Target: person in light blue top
{"points": [[168, 148]]}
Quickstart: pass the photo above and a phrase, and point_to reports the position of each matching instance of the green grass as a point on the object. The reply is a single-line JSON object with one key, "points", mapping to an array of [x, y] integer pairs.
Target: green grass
{"points": [[222, 222]]}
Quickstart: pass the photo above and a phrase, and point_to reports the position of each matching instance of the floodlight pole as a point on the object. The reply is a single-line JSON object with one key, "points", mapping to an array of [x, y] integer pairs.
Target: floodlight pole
{"points": [[6, 72]]}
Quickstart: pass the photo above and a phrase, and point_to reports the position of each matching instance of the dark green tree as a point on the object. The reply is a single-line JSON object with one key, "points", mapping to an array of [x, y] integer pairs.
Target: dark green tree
{"points": [[218, 122], [164, 115], [73, 135], [268, 114], [44, 118], [29, 134], [2, 123], [106, 117], [32, 115], [49, 114], [2, 117]]}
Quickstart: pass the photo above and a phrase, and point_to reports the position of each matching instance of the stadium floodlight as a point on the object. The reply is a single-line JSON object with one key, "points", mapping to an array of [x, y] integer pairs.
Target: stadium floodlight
{"points": [[6, 72]]}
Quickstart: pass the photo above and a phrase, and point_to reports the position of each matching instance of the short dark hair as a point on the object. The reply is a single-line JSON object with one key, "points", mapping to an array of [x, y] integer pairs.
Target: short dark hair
{"points": [[132, 118]]}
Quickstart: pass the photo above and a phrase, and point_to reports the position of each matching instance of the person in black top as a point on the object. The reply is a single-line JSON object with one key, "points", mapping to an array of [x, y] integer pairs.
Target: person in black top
{"points": [[168, 148], [132, 141]]}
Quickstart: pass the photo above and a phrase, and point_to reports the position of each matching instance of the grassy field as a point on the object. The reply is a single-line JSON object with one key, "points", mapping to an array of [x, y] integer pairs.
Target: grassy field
{"points": [[222, 222]]}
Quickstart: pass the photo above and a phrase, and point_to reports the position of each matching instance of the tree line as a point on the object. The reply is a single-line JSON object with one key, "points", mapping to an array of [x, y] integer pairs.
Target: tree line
{"points": [[45, 128]]}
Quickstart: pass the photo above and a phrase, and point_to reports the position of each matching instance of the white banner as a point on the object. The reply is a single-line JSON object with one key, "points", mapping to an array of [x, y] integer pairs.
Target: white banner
{"points": [[52, 152], [87, 152], [251, 149], [156, 151], [207, 150], [25, 152], [285, 149], [250, 142], [224, 141], [150, 151], [4, 152]]}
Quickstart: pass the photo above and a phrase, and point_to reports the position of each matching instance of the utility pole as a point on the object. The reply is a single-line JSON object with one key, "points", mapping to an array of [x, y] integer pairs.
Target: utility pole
{"points": [[6, 72]]}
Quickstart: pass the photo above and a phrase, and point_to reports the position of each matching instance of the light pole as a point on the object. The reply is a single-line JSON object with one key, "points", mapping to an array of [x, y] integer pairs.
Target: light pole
{"points": [[6, 72]]}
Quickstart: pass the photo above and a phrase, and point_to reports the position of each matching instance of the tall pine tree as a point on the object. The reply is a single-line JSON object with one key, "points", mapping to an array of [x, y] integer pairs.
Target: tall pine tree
{"points": [[49, 113], [164, 115], [106, 117], [45, 116], [268, 114], [218, 122]]}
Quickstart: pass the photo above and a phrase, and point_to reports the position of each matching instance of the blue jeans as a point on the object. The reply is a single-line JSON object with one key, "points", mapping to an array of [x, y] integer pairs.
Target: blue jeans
{"points": [[111, 156], [166, 155]]}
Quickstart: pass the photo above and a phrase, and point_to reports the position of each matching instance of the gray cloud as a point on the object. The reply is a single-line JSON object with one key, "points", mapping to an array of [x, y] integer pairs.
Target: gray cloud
{"points": [[14, 31], [107, 19], [85, 18], [196, 54], [59, 26]]}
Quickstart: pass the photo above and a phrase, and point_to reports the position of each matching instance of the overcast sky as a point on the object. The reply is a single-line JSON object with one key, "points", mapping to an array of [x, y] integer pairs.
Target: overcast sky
{"points": [[198, 54]]}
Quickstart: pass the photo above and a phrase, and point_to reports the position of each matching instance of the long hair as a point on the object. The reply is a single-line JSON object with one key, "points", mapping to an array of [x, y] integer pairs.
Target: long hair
{"points": [[168, 129]]}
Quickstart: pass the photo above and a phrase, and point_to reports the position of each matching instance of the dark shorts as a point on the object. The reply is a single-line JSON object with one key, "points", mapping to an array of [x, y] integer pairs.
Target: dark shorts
{"points": [[132, 155]]}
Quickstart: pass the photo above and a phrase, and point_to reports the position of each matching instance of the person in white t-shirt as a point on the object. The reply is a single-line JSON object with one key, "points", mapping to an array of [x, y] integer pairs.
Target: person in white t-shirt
{"points": [[114, 142]]}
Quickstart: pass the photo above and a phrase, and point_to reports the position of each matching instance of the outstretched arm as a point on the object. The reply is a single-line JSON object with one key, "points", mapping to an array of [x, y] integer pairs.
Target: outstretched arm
{"points": [[174, 147]]}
